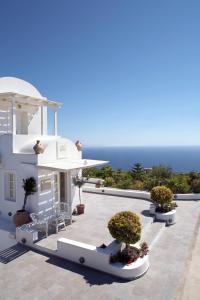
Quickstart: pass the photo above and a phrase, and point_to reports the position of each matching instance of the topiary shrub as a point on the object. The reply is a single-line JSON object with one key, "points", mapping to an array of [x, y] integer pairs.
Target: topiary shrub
{"points": [[162, 197], [125, 227]]}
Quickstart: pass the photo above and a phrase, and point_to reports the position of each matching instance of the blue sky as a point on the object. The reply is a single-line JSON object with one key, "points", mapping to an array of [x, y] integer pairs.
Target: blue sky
{"points": [[126, 71]]}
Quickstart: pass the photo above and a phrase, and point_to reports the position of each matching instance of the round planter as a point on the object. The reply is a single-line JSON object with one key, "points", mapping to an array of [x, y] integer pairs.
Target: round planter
{"points": [[80, 209], [21, 217], [169, 217], [152, 209], [131, 271]]}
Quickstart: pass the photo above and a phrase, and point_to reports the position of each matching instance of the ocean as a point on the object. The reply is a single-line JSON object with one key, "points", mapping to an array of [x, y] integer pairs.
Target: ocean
{"points": [[180, 159]]}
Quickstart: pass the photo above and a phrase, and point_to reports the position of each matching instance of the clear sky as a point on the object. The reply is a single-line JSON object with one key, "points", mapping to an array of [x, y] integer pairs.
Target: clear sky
{"points": [[126, 71]]}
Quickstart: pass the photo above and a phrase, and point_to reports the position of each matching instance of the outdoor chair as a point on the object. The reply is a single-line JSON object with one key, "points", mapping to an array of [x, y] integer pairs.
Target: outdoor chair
{"points": [[58, 222], [65, 212], [39, 222]]}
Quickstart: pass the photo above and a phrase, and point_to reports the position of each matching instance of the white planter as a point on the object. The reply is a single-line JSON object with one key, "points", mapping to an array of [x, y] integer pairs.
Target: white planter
{"points": [[131, 271], [99, 259], [169, 217], [26, 234], [152, 209]]}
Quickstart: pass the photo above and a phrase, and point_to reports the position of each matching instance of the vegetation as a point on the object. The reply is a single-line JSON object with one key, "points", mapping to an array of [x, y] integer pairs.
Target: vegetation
{"points": [[130, 254], [162, 197], [29, 186], [125, 227], [140, 179]]}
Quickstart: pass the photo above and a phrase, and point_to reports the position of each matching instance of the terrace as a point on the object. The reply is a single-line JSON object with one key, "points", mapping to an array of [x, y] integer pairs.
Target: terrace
{"points": [[171, 250]]}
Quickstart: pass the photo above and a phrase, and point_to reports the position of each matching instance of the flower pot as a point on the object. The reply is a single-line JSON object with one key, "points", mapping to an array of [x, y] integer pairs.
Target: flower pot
{"points": [[38, 148], [168, 217], [21, 217], [80, 209]]}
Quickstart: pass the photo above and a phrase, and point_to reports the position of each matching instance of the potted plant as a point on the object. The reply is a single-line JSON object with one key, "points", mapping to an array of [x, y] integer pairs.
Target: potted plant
{"points": [[125, 227], [165, 208], [22, 216], [79, 182]]}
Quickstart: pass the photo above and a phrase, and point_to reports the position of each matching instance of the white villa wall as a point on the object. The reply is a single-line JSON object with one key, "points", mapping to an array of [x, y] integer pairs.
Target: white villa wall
{"points": [[14, 163], [16, 149], [46, 198], [58, 148]]}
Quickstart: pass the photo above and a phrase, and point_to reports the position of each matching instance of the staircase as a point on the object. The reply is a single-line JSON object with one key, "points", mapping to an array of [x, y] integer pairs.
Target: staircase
{"points": [[152, 233]]}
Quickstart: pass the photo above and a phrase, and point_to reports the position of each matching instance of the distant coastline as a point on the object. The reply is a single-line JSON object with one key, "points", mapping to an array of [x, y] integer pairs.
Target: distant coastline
{"points": [[179, 158]]}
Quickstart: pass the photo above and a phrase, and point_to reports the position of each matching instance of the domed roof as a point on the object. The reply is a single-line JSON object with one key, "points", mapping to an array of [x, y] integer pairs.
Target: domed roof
{"points": [[19, 86]]}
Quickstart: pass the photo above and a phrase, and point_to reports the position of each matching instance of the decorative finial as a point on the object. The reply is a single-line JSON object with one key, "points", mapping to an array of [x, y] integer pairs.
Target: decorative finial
{"points": [[78, 145], [38, 148]]}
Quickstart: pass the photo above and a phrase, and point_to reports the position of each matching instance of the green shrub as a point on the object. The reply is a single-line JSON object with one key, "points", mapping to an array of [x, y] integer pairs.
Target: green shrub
{"points": [[178, 184], [161, 195], [125, 227], [195, 186], [138, 185], [161, 172], [109, 181], [124, 184]]}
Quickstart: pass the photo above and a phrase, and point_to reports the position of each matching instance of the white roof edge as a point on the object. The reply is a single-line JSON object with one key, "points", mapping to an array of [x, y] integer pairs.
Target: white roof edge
{"points": [[67, 165], [40, 100]]}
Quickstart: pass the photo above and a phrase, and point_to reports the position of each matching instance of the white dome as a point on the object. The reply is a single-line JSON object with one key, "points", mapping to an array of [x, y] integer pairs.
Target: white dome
{"points": [[19, 86]]}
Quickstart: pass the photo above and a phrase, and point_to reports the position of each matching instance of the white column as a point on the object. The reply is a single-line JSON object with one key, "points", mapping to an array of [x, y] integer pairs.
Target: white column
{"points": [[42, 120], [55, 122], [13, 117]]}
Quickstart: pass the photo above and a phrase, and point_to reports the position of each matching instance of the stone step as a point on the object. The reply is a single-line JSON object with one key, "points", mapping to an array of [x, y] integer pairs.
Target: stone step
{"points": [[152, 233]]}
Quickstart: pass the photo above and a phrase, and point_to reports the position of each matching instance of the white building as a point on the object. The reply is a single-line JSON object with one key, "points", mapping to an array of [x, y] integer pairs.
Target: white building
{"points": [[23, 120]]}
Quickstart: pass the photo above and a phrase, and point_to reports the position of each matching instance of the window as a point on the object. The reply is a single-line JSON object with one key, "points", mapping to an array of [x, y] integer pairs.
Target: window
{"points": [[45, 185], [10, 186]]}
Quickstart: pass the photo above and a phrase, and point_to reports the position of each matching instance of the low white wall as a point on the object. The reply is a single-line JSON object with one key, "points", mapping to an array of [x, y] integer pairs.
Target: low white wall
{"points": [[118, 192], [135, 193], [187, 197], [98, 258]]}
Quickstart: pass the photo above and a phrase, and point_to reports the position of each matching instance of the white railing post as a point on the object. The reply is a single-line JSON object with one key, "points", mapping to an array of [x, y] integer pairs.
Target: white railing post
{"points": [[13, 117], [42, 120], [55, 122]]}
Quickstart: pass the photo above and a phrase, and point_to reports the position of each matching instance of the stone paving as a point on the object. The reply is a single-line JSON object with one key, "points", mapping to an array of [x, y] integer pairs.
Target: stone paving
{"points": [[36, 276], [91, 227]]}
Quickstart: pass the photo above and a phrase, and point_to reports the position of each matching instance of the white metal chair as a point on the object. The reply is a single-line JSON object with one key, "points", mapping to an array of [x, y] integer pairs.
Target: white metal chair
{"points": [[39, 222], [65, 212]]}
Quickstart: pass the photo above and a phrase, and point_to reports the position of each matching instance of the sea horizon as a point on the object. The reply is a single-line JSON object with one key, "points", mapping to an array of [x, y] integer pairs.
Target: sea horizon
{"points": [[179, 158]]}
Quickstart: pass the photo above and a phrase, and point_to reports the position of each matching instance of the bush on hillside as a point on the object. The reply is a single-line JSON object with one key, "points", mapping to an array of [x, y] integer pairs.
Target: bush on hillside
{"points": [[161, 172], [178, 184], [195, 186]]}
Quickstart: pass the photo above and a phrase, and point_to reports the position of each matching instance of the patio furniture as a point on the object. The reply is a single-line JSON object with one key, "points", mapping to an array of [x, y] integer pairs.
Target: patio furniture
{"points": [[39, 222], [58, 222], [63, 210]]}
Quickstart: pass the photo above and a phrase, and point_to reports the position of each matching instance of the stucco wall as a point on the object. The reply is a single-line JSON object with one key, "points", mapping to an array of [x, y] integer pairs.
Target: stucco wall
{"points": [[22, 166]]}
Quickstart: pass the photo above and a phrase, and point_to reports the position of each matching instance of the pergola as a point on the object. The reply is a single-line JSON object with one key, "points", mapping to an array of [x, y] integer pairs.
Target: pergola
{"points": [[16, 99]]}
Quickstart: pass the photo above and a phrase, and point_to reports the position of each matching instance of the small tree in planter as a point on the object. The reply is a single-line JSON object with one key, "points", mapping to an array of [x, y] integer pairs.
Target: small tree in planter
{"points": [[22, 216], [162, 197], [125, 227], [79, 182], [29, 186], [165, 207]]}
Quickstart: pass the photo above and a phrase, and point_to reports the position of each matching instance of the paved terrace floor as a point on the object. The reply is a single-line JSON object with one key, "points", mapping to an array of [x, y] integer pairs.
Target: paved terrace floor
{"points": [[91, 227], [34, 275]]}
